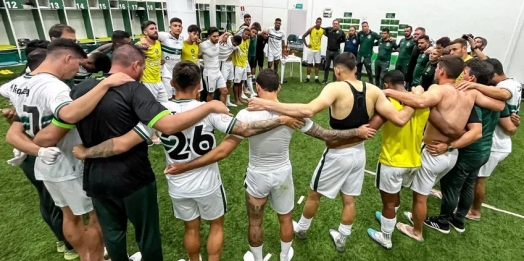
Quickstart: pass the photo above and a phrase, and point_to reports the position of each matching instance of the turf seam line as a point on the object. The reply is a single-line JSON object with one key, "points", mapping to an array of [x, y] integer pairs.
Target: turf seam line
{"points": [[483, 204]]}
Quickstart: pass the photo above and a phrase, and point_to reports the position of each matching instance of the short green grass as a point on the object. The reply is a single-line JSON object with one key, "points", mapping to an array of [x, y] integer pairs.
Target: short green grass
{"points": [[497, 237]]}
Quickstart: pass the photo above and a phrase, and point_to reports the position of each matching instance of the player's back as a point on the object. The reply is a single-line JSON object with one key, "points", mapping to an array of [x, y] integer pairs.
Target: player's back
{"points": [[33, 97], [455, 107], [189, 145], [270, 150]]}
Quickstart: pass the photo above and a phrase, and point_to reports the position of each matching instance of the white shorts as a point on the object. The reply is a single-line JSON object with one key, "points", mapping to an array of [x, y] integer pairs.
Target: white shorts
{"points": [[432, 170], [214, 80], [277, 185], [170, 90], [209, 207], [70, 193], [240, 74], [158, 90], [340, 170], [274, 56], [391, 179], [313, 57], [227, 70], [494, 159]]}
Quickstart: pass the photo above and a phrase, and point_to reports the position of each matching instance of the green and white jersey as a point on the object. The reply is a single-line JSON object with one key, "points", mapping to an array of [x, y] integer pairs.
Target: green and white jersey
{"points": [[171, 52], [191, 144], [501, 141], [37, 100]]}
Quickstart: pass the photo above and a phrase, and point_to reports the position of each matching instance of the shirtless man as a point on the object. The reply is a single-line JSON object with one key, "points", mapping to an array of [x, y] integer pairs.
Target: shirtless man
{"points": [[455, 106], [351, 105]]}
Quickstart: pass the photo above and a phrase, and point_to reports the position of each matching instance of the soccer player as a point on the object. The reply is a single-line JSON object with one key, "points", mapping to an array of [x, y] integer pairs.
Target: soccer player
{"points": [[42, 99], [398, 161], [172, 43], [341, 169], [151, 77], [457, 186], [315, 35], [209, 51], [455, 107], [386, 46], [118, 38], [277, 43], [239, 60], [254, 29], [405, 48], [367, 41], [422, 60], [190, 45], [130, 191], [246, 24], [228, 44], [510, 90], [459, 47], [441, 45], [268, 177]]}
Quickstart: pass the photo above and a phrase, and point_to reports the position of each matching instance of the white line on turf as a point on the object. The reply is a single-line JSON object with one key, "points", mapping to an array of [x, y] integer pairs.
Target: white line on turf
{"points": [[483, 204], [267, 257], [300, 200]]}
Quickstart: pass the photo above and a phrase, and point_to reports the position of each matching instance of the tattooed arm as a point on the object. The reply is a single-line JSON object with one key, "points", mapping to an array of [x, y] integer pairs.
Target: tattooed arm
{"points": [[258, 127], [363, 132]]}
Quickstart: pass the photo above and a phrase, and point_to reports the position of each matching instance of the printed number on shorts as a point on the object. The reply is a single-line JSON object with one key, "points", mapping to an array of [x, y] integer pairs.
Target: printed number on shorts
{"points": [[179, 146]]}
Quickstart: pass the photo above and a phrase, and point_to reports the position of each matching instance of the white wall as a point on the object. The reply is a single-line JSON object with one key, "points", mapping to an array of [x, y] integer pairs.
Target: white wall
{"points": [[440, 18], [265, 11], [3, 40], [24, 24]]}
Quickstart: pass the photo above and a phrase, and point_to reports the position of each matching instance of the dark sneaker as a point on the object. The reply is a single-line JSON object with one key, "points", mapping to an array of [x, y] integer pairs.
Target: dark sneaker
{"points": [[284, 81], [317, 81], [435, 223], [307, 80], [457, 225]]}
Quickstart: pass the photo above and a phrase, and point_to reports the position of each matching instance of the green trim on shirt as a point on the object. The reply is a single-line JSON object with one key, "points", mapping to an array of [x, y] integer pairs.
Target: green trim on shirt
{"points": [[143, 135], [157, 117], [231, 126], [62, 125]]}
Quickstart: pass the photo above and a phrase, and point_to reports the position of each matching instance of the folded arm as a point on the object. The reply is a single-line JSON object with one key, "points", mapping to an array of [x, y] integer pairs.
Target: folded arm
{"points": [[473, 134]]}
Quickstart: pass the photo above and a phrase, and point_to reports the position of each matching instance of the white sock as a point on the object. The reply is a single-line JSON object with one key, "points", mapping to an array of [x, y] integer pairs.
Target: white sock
{"points": [[387, 226], [345, 231], [228, 100], [304, 223], [250, 84], [257, 253], [396, 209], [307, 77], [316, 77], [285, 248]]}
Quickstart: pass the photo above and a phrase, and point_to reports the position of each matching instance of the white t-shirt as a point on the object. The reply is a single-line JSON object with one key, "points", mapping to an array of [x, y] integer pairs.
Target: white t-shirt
{"points": [[191, 144], [275, 39], [270, 150], [226, 49], [37, 100], [171, 52], [210, 52], [501, 141]]}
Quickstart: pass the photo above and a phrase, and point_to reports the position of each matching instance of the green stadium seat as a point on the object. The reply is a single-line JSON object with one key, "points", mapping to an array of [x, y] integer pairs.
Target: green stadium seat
{"points": [[9, 58]]}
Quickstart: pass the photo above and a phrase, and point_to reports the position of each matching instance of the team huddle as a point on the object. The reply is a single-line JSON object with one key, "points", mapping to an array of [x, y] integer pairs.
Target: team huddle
{"points": [[88, 147]]}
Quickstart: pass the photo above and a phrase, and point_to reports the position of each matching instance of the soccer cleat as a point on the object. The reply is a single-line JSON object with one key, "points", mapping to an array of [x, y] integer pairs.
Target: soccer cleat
{"points": [[106, 254], [458, 226], [336, 236], [246, 91], [248, 256], [307, 80], [317, 81], [379, 238], [435, 223], [136, 257], [60, 247], [408, 216], [70, 254], [299, 233], [378, 217], [229, 104], [243, 96], [289, 256]]}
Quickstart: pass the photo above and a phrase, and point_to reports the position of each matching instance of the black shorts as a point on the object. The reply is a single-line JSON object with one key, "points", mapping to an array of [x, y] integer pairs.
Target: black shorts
{"points": [[260, 59], [252, 60]]}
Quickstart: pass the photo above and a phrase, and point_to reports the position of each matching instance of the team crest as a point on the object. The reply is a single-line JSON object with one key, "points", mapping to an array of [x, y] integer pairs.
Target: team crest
{"points": [[354, 41], [407, 44], [156, 51], [423, 55], [429, 69], [387, 44], [369, 36], [193, 51]]}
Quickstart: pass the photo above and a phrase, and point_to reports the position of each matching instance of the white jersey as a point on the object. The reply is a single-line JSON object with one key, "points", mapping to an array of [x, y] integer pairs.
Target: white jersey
{"points": [[37, 100], [191, 144], [275, 39], [171, 52], [270, 150], [501, 141], [226, 49], [210, 52]]}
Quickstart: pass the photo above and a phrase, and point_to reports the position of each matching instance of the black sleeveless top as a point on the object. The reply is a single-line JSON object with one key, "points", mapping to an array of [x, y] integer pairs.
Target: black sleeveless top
{"points": [[359, 113]]}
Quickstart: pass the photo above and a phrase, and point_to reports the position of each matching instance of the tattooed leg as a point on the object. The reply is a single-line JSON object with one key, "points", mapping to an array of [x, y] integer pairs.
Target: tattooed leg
{"points": [[255, 213]]}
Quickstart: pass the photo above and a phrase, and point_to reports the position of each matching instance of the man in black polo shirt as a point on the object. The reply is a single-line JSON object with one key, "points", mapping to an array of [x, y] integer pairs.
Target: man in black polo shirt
{"points": [[335, 37], [123, 186]]}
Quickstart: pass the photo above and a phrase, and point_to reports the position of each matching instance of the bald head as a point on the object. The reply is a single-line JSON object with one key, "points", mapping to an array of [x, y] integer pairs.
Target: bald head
{"points": [[125, 55]]}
